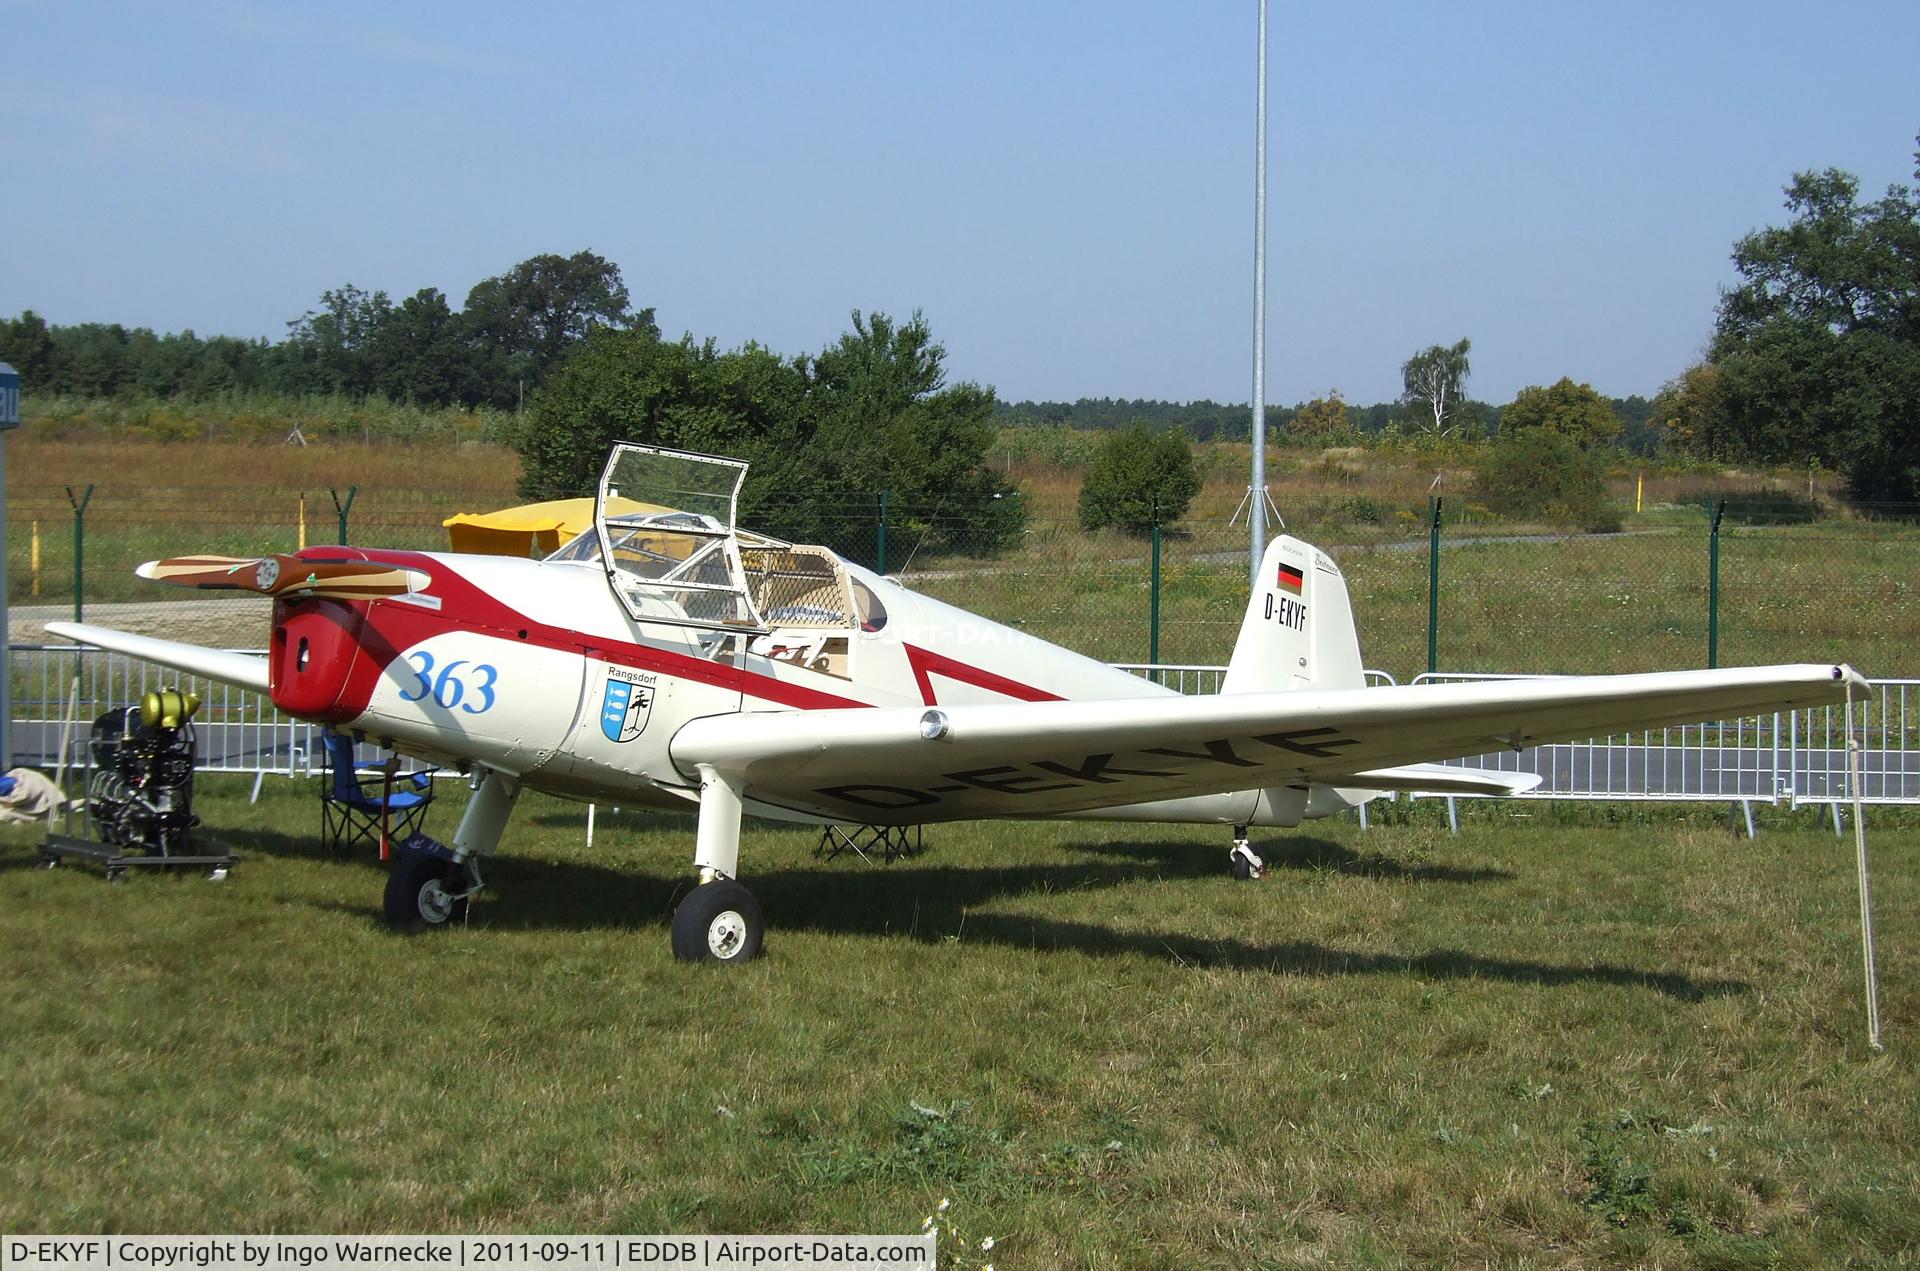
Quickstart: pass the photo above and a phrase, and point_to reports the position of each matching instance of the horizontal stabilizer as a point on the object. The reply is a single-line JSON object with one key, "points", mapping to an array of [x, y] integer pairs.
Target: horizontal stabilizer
{"points": [[242, 670], [283, 575], [1433, 778]]}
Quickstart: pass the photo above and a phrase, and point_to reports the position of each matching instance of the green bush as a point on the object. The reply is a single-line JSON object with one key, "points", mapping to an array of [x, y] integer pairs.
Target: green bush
{"points": [[1537, 475], [1139, 476], [1361, 509]]}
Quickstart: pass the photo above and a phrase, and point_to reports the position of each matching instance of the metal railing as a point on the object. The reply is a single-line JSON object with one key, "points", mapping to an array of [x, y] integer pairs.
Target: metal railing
{"points": [[1797, 757], [1198, 679], [1816, 752], [237, 730], [1180, 677], [1722, 761], [59, 689]]}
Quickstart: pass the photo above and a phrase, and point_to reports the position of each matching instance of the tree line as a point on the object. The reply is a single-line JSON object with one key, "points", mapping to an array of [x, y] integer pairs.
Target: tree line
{"points": [[872, 415], [1321, 420], [513, 332], [1814, 362]]}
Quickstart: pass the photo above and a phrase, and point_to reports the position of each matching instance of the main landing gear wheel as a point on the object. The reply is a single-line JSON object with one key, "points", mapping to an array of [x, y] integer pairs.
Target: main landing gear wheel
{"points": [[425, 892], [718, 922]]}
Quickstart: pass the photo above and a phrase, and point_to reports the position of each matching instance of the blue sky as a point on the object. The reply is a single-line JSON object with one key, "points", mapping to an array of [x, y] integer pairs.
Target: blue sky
{"points": [[1065, 189]]}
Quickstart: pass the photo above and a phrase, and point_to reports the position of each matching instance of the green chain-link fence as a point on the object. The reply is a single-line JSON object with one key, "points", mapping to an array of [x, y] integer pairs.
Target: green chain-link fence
{"points": [[1508, 598]]}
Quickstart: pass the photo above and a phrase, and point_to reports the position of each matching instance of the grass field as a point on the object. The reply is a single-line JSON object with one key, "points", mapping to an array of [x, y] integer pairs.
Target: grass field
{"points": [[1564, 1037]]}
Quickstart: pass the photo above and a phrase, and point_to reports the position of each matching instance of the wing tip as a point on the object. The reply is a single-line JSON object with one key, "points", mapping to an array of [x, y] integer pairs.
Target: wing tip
{"points": [[242, 670]]}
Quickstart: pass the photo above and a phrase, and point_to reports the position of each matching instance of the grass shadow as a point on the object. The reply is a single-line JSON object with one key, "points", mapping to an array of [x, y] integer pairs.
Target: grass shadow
{"points": [[932, 904], [1295, 852], [1305, 957], [245, 841], [11, 863], [1319, 855], [608, 820]]}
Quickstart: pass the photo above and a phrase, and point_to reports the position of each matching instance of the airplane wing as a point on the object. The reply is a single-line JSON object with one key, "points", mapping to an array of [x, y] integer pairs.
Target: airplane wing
{"points": [[902, 765], [242, 670]]}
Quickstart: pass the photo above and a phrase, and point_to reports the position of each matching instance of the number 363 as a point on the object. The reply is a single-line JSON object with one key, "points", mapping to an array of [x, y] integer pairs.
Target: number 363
{"points": [[470, 691]]}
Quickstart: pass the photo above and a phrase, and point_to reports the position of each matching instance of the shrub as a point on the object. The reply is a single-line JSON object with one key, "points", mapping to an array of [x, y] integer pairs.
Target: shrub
{"points": [[1137, 475], [1361, 510], [1536, 475]]}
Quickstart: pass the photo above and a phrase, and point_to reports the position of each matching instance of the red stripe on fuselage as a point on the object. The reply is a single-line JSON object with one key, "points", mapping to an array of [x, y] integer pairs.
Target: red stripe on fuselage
{"points": [[392, 627], [926, 664]]}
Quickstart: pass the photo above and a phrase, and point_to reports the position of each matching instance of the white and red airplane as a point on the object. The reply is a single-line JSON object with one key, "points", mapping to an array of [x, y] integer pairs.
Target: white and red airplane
{"points": [[668, 659]]}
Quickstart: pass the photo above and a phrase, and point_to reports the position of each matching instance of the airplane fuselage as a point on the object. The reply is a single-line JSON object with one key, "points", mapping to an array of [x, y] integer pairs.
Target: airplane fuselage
{"points": [[532, 669]]}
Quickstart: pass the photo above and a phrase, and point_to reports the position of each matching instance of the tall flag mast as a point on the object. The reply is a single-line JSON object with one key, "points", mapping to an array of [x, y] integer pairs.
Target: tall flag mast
{"points": [[1257, 490]]}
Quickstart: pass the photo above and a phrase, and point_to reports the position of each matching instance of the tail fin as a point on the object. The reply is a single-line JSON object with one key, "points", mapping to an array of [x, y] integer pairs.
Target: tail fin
{"points": [[1298, 632]]}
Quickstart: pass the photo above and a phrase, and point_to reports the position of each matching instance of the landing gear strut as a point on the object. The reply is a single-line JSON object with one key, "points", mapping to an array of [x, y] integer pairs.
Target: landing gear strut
{"points": [[430, 889], [1246, 863], [719, 921]]}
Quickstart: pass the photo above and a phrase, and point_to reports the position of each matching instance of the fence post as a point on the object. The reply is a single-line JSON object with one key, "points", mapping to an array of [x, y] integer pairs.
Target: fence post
{"points": [[1433, 583], [79, 550], [880, 549], [1153, 588], [1713, 586], [343, 508]]}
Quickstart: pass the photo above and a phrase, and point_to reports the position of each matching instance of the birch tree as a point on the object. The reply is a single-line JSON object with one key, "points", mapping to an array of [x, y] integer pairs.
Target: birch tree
{"points": [[1435, 378]]}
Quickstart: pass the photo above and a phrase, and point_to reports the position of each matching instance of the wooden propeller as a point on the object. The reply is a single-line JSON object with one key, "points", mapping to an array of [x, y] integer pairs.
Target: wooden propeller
{"points": [[282, 575]]}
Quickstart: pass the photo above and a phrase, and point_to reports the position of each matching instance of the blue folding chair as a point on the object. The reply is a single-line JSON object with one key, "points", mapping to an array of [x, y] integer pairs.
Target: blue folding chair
{"points": [[362, 803]]}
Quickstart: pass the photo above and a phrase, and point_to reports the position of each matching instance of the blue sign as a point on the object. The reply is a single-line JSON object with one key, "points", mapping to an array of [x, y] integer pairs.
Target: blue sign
{"points": [[9, 397]]}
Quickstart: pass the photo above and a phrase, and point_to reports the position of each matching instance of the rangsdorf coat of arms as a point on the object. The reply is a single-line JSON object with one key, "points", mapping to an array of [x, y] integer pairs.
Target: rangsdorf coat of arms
{"points": [[626, 704]]}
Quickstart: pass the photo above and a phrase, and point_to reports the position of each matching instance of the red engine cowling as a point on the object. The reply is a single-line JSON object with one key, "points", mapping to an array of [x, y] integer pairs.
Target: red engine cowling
{"points": [[315, 644]]}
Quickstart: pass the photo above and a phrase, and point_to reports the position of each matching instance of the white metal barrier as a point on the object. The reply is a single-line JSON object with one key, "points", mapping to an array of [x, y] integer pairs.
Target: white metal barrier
{"points": [[235, 729], [1816, 753], [1725, 761], [1799, 757], [1195, 678], [1179, 676]]}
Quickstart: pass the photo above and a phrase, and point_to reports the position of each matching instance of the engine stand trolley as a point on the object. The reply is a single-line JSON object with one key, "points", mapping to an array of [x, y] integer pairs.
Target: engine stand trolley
{"points": [[135, 770]]}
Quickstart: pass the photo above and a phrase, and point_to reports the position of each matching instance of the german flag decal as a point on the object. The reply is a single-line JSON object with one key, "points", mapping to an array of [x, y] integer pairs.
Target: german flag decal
{"points": [[1290, 579]]}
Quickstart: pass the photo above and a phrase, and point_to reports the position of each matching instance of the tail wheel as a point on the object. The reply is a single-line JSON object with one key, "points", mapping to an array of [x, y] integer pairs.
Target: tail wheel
{"points": [[424, 892], [1247, 865], [718, 922]]}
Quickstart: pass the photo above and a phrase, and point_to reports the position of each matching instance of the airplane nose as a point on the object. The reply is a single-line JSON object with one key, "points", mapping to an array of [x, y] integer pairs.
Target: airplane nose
{"points": [[315, 644]]}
